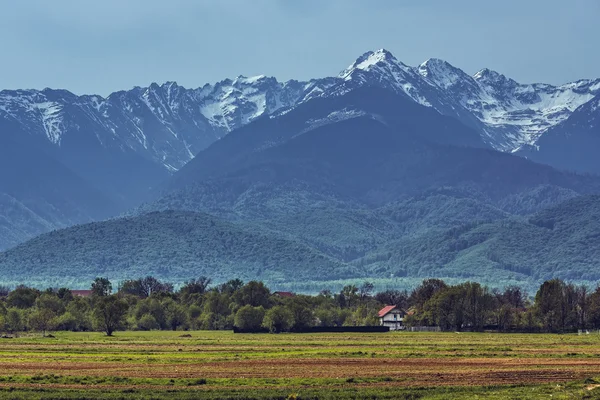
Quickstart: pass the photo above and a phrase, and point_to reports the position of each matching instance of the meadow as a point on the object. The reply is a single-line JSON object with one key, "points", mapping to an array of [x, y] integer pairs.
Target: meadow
{"points": [[211, 364]]}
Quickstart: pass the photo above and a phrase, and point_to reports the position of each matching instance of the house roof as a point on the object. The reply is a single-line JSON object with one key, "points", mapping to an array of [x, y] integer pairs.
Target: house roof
{"points": [[386, 310], [284, 294]]}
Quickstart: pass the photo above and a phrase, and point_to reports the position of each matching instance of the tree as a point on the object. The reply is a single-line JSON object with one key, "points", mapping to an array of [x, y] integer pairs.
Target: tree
{"points": [[231, 286], [302, 312], [278, 319], [195, 286], [132, 287], [549, 305], [42, 320], [425, 291], [366, 290], [175, 314], [101, 287], [22, 297], [593, 313], [147, 323], [446, 308], [505, 317], [514, 296], [582, 306], [325, 316], [152, 306], [253, 293], [66, 295], [47, 307], [65, 322], [109, 313], [151, 285], [249, 318], [145, 287], [80, 310], [477, 303], [13, 320], [50, 302], [348, 296], [393, 297], [216, 311]]}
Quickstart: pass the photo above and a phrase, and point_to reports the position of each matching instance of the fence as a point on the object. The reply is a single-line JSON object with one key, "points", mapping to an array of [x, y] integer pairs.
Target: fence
{"points": [[325, 329], [423, 329], [588, 332]]}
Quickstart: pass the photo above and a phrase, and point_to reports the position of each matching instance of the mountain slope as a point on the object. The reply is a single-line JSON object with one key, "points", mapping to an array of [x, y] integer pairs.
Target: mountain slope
{"points": [[168, 124], [18, 223], [38, 193], [557, 242], [385, 109], [176, 246], [507, 114], [358, 180], [127, 145], [572, 144], [367, 158]]}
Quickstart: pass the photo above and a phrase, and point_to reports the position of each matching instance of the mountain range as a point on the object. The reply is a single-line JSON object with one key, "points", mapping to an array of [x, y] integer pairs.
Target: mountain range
{"points": [[350, 172]]}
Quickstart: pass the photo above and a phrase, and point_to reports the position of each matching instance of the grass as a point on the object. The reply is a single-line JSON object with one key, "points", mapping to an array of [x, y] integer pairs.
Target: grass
{"points": [[157, 365]]}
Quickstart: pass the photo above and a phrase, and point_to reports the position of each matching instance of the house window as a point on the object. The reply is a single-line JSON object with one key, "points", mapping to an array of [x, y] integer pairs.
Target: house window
{"points": [[395, 317]]}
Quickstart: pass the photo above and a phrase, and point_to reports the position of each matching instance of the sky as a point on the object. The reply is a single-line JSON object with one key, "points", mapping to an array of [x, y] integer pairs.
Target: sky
{"points": [[93, 46]]}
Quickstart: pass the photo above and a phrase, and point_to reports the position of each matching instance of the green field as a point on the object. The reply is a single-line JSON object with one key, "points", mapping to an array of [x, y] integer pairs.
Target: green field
{"points": [[207, 364]]}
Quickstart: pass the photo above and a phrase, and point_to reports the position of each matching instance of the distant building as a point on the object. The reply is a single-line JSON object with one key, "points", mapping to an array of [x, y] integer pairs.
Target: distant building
{"points": [[284, 294], [392, 317], [81, 293]]}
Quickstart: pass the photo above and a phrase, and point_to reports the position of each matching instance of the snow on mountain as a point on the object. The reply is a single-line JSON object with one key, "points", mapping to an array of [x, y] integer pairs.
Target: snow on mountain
{"points": [[168, 124], [572, 144], [36, 111], [531, 108], [383, 69], [508, 114], [443, 75], [231, 104]]}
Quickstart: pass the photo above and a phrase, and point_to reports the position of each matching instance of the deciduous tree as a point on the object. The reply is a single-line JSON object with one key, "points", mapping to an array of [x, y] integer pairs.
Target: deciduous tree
{"points": [[109, 313]]}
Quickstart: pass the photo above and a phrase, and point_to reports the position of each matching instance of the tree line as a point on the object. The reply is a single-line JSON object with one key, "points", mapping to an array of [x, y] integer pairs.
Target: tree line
{"points": [[149, 304]]}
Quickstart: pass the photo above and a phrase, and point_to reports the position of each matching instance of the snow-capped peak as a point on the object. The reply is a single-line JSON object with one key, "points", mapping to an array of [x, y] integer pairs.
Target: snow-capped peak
{"points": [[381, 68], [488, 76], [173, 123], [441, 73], [368, 60], [245, 80]]}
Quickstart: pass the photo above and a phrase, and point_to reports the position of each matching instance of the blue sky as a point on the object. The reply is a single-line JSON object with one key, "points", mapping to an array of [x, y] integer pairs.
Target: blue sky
{"points": [[101, 46]]}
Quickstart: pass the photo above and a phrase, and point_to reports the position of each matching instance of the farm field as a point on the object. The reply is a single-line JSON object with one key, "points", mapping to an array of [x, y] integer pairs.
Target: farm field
{"points": [[207, 364]]}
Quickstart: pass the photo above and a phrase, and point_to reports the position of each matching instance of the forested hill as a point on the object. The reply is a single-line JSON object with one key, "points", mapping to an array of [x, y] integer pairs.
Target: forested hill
{"points": [[172, 244], [562, 241]]}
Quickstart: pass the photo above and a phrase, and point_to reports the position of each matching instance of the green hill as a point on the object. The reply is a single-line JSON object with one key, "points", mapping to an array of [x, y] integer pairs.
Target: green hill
{"points": [[171, 245], [562, 241]]}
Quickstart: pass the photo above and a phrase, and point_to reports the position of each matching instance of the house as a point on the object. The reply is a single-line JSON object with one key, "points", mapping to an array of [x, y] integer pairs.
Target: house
{"points": [[81, 293], [392, 317], [284, 294]]}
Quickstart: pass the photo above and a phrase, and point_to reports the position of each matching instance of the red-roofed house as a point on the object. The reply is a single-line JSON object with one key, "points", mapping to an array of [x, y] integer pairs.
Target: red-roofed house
{"points": [[392, 317], [284, 294]]}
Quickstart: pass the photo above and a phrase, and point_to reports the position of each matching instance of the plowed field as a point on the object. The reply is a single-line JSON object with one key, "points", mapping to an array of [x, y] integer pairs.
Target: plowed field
{"points": [[225, 365]]}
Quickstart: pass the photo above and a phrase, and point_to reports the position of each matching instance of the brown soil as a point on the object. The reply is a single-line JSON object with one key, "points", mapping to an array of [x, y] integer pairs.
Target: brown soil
{"points": [[403, 372]]}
